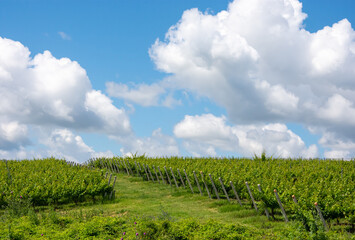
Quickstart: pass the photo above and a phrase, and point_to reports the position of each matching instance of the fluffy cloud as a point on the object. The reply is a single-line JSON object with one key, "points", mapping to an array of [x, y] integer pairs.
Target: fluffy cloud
{"points": [[59, 142], [335, 110], [156, 145], [20, 153], [46, 92], [113, 120], [50, 91], [207, 129], [337, 147], [63, 143], [13, 135], [205, 134], [258, 61]]}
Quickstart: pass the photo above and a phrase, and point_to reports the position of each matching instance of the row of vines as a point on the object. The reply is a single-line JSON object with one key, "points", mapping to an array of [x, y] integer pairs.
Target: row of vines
{"points": [[49, 181], [329, 183]]}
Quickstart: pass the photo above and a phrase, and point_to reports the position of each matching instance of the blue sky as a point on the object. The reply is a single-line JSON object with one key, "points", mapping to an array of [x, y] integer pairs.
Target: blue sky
{"points": [[248, 77]]}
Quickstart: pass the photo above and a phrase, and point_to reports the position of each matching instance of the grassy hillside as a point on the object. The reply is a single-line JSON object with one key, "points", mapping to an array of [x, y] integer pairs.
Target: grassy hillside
{"points": [[153, 211]]}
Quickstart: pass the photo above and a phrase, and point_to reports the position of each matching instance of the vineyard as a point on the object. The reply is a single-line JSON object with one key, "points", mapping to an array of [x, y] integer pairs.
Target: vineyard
{"points": [[49, 181], [179, 198], [304, 190]]}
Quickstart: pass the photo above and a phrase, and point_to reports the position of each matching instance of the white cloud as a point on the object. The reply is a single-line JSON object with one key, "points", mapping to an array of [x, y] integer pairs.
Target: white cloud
{"points": [[277, 99], [64, 36], [199, 149], [337, 147], [258, 61], [114, 120], [156, 145], [339, 110], [20, 153], [53, 92], [337, 154], [60, 143], [207, 129], [330, 47], [44, 92], [205, 134], [107, 154], [13, 135], [63, 143], [143, 94], [276, 139]]}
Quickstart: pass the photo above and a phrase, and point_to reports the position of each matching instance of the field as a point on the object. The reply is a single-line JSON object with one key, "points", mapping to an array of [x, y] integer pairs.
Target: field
{"points": [[159, 198]]}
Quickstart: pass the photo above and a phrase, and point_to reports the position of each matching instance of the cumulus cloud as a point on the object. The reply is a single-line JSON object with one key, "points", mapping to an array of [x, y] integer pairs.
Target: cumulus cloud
{"points": [[207, 129], [113, 120], [13, 135], [59, 142], [63, 143], [156, 145], [205, 134], [336, 108], [20, 153], [336, 147], [257, 60], [51, 93], [107, 154]]}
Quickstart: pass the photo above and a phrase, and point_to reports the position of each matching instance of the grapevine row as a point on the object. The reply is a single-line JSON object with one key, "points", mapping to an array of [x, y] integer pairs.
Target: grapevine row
{"points": [[49, 181], [329, 183]]}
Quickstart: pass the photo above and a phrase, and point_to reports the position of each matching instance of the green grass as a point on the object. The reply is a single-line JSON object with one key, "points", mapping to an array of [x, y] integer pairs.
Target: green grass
{"points": [[137, 197], [148, 198], [156, 204]]}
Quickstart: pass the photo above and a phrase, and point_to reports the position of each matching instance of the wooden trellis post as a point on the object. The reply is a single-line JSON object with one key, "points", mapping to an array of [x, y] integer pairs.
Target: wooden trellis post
{"points": [[203, 180], [124, 162], [188, 181], [182, 181], [251, 196], [161, 175], [266, 211], [146, 173], [172, 173], [224, 189], [111, 165], [116, 167], [139, 166], [156, 174], [109, 180], [167, 174], [321, 216], [113, 187], [138, 174], [280, 204], [235, 193], [129, 167], [198, 185], [214, 187], [150, 173]]}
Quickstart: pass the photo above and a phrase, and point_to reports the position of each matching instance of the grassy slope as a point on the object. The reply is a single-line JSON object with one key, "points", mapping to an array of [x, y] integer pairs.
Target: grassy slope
{"points": [[137, 198]]}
